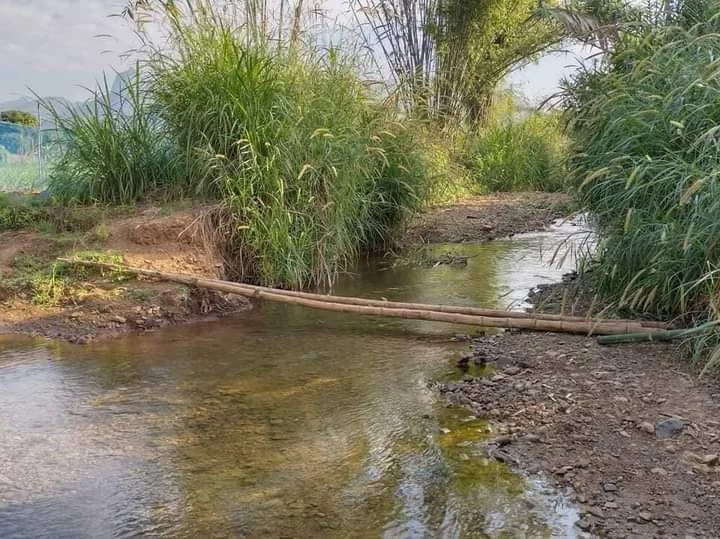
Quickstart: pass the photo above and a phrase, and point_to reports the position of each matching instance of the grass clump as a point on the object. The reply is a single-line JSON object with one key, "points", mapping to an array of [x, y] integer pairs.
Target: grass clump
{"points": [[648, 165], [519, 150], [114, 150], [307, 168]]}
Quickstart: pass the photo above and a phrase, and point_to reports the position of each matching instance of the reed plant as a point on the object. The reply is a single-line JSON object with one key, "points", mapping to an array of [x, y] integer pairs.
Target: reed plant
{"points": [[112, 148], [307, 169], [647, 167], [518, 149]]}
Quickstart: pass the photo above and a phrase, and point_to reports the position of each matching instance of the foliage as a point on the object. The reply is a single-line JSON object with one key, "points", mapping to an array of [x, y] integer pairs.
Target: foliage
{"points": [[519, 149], [307, 168], [448, 56], [19, 117], [114, 150], [647, 168]]}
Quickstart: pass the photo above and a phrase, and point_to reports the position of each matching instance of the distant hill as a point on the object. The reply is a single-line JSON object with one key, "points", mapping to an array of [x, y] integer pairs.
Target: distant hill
{"points": [[30, 104]]}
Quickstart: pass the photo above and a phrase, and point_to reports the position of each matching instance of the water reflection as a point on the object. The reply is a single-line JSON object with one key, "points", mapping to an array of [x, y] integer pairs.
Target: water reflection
{"points": [[283, 422]]}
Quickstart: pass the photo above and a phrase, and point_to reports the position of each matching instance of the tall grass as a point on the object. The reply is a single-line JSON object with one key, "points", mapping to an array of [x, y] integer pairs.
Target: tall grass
{"points": [[113, 149], [519, 149], [307, 169], [648, 169]]}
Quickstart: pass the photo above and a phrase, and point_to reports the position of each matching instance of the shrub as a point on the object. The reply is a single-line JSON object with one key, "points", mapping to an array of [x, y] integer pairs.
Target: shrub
{"points": [[648, 168], [309, 170], [516, 152]]}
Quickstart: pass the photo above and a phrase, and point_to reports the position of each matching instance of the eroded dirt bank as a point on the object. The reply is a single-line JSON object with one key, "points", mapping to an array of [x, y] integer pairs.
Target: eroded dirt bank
{"points": [[629, 429], [484, 218], [80, 305]]}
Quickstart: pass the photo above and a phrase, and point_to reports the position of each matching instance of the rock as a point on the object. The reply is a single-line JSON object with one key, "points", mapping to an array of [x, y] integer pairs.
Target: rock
{"points": [[463, 360], [497, 378], [646, 426], [512, 370], [583, 524], [583, 463], [701, 469], [532, 438], [76, 315], [610, 505], [85, 339], [119, 319], [596, 512], [658, 471], [667, 428], [610, 487], [445, 431], [645, 516], [710, 460], [525, 364]]}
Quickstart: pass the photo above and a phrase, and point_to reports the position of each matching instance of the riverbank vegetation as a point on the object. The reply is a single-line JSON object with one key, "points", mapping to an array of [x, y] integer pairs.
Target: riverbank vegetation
{"points": [[309, 162], [646, 165]]}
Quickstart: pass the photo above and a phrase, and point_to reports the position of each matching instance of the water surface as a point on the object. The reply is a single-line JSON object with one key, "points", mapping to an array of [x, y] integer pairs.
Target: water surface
{"points": [[282, 422]]}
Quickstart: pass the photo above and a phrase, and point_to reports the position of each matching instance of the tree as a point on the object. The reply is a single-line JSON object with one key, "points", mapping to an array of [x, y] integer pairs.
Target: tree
{"points": [[18, 117], [448, 56]]}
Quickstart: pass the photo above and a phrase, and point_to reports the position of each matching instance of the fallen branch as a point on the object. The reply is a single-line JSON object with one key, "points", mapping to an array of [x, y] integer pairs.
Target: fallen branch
{"points": [[501, 319]]}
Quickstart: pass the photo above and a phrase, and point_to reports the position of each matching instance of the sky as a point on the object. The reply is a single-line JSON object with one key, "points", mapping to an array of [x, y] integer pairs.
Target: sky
{"points": [[53, 48]]}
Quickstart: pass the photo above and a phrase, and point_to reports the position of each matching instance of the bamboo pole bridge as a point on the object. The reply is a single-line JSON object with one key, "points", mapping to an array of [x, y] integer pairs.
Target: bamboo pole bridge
{"points": [[452, 314]]}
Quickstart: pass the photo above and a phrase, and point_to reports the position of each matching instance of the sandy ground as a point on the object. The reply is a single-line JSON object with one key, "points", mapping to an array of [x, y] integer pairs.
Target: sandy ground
{"points": [[485, 218]]}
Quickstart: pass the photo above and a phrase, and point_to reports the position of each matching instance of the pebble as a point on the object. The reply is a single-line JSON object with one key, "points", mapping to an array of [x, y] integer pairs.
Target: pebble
{"points": [[610, 487], [610, 505], [119, 319], [701, 468], [596, 511], [710, 460], [646, 516], [583, 524], [658, 471], [76, 314], [648, 427], [667, 428], [512, 370]]}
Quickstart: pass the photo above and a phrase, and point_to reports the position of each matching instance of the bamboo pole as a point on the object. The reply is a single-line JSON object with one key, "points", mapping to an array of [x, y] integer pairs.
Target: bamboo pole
{"points": [[529, 323], [456, 309], [669, 335]]}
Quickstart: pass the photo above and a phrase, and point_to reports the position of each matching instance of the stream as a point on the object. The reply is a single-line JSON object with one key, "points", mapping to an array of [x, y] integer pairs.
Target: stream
{"points": [[280, 422]]}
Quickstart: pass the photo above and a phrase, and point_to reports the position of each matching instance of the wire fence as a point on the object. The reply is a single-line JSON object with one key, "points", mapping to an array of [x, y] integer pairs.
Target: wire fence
{"points": [[25, 156]]}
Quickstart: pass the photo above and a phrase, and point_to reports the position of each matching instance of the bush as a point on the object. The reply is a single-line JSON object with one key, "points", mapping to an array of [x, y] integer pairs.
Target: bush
{"points": [[516, 152], [308, 169], [114, 150], [648, 168]]}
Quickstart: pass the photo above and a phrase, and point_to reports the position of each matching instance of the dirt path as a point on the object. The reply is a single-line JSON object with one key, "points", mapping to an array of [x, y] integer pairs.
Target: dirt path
{"points": [[628, 429]]}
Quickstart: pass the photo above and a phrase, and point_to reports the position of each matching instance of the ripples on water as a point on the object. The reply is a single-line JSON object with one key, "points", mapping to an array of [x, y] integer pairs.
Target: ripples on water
{"points": [[282, 422]]}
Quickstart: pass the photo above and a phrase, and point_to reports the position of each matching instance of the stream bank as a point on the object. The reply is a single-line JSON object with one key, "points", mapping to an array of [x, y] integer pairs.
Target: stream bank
{"points": [[86, 307], [630, 429]]}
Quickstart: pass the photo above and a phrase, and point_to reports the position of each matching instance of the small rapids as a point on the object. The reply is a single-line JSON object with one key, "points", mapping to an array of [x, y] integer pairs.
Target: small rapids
{"points": [[282, 422]]}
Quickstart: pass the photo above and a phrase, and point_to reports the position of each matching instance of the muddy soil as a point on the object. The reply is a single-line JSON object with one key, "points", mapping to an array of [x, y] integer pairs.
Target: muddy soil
{"points": [[99, 305], [628, 429], [485, 218]]}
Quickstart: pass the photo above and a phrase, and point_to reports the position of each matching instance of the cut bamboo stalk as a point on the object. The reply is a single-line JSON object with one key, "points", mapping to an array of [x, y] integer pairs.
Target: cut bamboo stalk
{"points": [[456, 309], [573, 326]]}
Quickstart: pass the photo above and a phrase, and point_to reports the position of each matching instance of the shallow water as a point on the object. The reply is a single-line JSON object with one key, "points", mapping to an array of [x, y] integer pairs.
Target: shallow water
{"points": [[283, 422]]}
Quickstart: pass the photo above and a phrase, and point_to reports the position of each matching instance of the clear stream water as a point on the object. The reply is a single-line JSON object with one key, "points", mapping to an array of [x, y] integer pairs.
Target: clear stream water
{"points": [[282, 422]]}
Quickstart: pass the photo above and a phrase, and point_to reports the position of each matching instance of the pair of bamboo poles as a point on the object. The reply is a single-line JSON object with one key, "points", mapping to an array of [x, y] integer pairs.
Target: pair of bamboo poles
{"points": [[453, 314]]}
